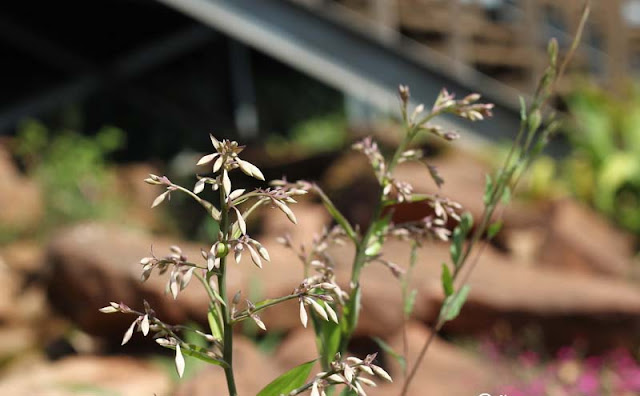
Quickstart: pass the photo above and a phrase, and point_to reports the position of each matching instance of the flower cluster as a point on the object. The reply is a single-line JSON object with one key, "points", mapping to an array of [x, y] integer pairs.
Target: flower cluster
{"points": [[349, 372], [181, 269], [466, 108]]}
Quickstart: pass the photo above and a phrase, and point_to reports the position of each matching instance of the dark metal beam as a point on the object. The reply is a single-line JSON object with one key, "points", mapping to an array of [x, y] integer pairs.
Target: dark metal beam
{"points": [[86, 83], [349, 60]]}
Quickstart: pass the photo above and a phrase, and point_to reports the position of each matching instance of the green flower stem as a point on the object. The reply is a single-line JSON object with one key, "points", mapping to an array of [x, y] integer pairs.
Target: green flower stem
{"points": [[259, 307], [203, 202], [227, 347]]}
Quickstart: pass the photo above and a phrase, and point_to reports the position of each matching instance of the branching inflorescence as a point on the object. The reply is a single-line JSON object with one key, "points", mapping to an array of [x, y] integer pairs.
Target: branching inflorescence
{"points": [[331, 307]]}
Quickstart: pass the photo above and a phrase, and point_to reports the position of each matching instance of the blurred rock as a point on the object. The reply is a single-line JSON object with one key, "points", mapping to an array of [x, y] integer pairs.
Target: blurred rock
{"points": [[565, 304], [138, 195], [253, 371], [21, 201], [92, 264], [298, 347], [583, 240], [24, 256], [85, 375]]}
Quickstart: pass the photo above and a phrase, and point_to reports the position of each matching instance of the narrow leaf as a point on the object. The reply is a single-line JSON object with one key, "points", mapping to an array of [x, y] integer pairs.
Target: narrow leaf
{"points": [[292, 379], [494, 228], [453, 304], [390, 351], [447, 280], [410, 302], [335, 213], [214, 323]]}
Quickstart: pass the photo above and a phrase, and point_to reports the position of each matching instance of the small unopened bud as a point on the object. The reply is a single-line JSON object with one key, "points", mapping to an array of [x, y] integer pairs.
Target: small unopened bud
{"points": [[451, 135], [403, 90], [474, 97]]}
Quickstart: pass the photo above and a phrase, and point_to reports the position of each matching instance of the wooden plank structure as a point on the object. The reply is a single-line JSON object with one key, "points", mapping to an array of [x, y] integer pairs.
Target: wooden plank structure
{"points": [[506, 39]]}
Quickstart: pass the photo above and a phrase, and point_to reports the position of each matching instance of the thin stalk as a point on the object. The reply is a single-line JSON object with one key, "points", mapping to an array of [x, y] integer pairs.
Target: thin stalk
{"points": [[244, 315], [227, 346]]}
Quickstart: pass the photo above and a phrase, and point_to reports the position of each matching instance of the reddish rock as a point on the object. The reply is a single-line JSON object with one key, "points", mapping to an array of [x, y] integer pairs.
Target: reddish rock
{"points": [[565, 304], [85, 375], [24, 256], [580, 239], [92, 264]]}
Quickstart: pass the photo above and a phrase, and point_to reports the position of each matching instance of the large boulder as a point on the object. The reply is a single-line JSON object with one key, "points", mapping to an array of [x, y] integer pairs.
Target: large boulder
{"points": [[87, 375], [92, 264], [565, 304]]}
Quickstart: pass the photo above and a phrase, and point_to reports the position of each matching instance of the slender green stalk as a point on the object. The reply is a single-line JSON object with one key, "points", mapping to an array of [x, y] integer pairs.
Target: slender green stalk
{"points": [[227, 349], [259, 307]]}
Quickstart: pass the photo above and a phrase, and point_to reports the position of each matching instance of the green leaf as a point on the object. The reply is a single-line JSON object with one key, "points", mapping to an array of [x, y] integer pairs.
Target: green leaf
{"points": [[447, 280], [453, 304], [199, 353], [410, 302], [348, 392], [535, 118], [350, 314], [378, 233], [506, 195], [488, 190], [494, 228], [292, 379], [335, 213], [215, 324], [466, 221], [523, 109], [328, 337], [387, 348]]}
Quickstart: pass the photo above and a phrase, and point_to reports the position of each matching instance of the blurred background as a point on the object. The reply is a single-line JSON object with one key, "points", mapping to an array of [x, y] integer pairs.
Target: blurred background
{"points": [[97, 95]]}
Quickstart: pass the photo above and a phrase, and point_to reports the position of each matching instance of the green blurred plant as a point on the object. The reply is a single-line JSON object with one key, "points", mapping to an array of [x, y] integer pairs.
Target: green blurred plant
{"points": [[72, 170], [604, 166]]}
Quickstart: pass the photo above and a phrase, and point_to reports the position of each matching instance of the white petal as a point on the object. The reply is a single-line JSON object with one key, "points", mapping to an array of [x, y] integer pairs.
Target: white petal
{"points": [[186, 278], [314, 389], [207, 158], [144, 325], [129, 332], [283, 207], [217, 164], [226, 182], [381, 373], [264, 253], [303, 314], [331, 312], [179, 361], [318, 308], [259, 322], [108, 309], [250, 169], [199, 187], [236, 193], [241, 222], [348, 373], [215, 142], [255, 256], [159, 199]]}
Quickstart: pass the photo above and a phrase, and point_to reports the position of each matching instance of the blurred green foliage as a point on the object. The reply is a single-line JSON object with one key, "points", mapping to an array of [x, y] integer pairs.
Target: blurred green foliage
{"points": [[319, 134], [603, 168], [72, 169]]}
